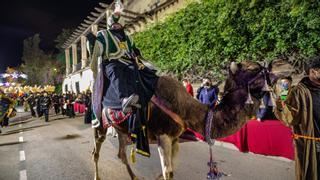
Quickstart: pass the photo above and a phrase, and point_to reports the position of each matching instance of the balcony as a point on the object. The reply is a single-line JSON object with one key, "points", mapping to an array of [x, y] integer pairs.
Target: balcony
{"points": [[78, 67]]}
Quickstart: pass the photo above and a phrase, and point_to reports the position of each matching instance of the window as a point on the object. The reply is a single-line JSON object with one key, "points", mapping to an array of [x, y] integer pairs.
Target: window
{"points": [[78, 87], [66, 88]]}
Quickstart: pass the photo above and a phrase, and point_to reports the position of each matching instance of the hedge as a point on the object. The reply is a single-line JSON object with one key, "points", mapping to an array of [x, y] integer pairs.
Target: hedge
{"points": [[202, 38]]}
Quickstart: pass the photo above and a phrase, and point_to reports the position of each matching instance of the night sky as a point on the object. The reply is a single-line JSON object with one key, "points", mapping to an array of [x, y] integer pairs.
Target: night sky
{"points": [[20, 19]]}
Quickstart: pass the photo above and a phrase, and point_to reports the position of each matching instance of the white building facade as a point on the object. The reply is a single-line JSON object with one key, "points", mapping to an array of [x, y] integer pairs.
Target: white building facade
{"points": [[78, 82]]}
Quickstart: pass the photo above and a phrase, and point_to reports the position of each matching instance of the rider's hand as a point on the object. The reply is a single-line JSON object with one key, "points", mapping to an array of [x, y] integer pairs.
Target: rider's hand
{"points": [[280, 104]]}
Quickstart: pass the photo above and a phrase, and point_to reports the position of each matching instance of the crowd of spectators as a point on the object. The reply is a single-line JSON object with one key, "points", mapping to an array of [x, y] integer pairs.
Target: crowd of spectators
{"points": [[66, 104]]}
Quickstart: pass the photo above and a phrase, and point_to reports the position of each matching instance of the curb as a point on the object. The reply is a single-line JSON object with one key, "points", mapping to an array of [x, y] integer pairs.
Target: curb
{"points": [[234, 148]]}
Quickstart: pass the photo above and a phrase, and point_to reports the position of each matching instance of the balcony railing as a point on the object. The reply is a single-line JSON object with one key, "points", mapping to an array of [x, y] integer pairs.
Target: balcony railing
{"points": [[78, 66], [68, 70]]}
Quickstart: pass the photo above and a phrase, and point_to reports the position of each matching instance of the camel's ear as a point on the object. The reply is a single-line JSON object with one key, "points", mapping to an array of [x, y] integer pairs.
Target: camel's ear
{"points": [[264, 64], [233, 67], [270, 64]]}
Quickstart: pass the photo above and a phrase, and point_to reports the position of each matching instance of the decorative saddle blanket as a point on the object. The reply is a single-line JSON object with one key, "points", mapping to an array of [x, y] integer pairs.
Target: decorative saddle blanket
{"points": [[136, 124], [113, 116]]}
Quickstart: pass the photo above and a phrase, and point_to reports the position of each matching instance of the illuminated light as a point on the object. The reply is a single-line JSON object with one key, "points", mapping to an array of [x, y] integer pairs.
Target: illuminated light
{"points": [[15, 75], [24, 76], [5, 75]]}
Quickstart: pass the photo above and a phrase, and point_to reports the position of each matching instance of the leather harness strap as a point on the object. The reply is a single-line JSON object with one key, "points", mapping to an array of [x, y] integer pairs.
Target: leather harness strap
{"points": [[160, 104], [166, 110]]}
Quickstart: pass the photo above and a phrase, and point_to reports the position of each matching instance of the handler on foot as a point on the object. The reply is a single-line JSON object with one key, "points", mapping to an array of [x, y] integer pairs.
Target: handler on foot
{"points": [[301, 111]]}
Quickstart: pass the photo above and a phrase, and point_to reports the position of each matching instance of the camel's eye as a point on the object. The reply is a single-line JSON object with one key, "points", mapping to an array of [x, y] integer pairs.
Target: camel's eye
{"points": [[253, 68]]}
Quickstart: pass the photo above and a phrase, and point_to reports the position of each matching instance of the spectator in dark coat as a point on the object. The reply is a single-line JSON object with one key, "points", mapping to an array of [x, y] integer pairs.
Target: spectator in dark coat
{"points": [[265, 111], [70, 110], [208, 94], [56, 103], [32, 103], [45, 103], [38, 108], [88, 113]]}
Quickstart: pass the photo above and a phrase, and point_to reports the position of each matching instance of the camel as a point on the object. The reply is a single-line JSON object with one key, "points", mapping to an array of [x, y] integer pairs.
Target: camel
{"points": [[228, 117]]}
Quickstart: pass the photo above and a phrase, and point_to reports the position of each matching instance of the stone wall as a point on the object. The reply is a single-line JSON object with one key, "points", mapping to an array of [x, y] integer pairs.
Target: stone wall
{"points": [[140, 6], [143, 6]]}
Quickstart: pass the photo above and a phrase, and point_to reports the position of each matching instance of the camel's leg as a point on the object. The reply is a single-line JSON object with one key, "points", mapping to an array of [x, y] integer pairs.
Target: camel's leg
{"points": [[165, 152], [99, 137], [122, 153], [174, 155]]}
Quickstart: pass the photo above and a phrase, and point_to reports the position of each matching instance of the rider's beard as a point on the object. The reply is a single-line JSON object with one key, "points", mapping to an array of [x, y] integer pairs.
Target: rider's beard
{"points": [[119, 33]]}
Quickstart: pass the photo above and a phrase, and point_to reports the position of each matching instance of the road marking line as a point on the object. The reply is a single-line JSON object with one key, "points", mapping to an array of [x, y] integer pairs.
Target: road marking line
{"points": [[20, 139], [23, 175], [22, 156]]}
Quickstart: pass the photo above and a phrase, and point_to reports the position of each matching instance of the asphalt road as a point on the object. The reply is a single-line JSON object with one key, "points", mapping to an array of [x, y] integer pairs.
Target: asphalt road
{"points": [[61, 149]]}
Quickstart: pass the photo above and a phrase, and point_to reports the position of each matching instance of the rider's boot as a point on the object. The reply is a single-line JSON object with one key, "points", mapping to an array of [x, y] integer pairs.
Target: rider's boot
{"points": [[95, 123], [130, 101]]}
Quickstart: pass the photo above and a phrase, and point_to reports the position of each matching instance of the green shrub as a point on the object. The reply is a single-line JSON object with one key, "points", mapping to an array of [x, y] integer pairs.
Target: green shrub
{"points": [[204, 37]]}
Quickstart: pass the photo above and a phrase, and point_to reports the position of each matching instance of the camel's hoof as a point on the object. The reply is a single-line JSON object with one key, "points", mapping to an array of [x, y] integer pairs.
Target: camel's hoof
{"points": [[160, 177], [171, 175]]}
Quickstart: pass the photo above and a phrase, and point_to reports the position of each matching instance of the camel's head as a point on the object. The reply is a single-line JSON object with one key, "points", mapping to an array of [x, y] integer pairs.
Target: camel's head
{"points": [[255, 77]]}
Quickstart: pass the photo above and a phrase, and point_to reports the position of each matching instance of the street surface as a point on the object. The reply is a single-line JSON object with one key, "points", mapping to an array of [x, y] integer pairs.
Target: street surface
{"points": [[61, 150]]}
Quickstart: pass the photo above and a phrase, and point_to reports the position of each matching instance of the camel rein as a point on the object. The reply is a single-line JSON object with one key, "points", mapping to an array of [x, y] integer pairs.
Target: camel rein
{"points": [[208, 127], [213, 173], [176, 118]]}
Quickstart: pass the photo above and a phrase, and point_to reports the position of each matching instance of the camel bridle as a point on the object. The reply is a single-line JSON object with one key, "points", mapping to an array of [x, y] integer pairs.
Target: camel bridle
{"points": [[264, 72], [213, 172]]}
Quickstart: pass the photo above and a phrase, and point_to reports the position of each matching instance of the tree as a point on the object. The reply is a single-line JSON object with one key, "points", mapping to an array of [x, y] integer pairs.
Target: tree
{"points": [[62, 38], [41, 68]]}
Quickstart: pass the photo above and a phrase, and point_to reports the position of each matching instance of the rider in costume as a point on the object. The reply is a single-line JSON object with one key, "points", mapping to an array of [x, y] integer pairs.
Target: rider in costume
{"points": [[126, 82]]}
